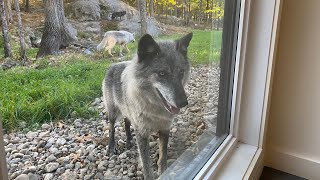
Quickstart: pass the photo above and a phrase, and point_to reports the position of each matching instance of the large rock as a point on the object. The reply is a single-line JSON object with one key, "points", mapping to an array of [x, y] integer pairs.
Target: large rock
{"points": [[84, 10], [131, 21], [133, 25]]}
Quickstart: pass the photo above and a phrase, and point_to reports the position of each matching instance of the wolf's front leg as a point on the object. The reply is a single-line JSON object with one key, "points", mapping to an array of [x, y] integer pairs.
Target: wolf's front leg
{"points": [[163, 148], [143, 144]]}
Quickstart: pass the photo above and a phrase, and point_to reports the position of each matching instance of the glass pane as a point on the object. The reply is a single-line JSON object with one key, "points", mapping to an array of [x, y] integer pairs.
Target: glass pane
{"points": [[166, 101]]}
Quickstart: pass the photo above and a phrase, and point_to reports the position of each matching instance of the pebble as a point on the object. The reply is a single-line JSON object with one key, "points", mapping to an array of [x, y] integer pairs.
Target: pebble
{"points": [[22, 177], [33, 176], [52, 166], [51, 158], [69, 166], [18, 155], [48, 176], [77, 123], [61, 141], [45, 127], [103, 165], [68, 175], [5, 141]]}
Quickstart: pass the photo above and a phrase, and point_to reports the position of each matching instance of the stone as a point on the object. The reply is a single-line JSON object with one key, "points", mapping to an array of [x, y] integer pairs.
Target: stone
{"points": [[32, 169], [195, 109], [174, 130], [51, 158], [5, 141], [131, 175], [52, 166], [18, 155], [123, 155], [61, 141], [88, 52], [54, 150], [45, 127], [77, 165], [68, 175], [48, 176], [99, 175], [60, 170], [69, 166], [77, 123], [88, 176], [23, 146], [31, 135], [140, 173], [103, 165], [91, 157], [84, 10], [33, 176], [22, 177]]}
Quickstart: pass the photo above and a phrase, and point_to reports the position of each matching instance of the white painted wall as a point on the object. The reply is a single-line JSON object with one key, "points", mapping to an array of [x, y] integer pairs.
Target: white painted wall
{"points": [[293, 136]]}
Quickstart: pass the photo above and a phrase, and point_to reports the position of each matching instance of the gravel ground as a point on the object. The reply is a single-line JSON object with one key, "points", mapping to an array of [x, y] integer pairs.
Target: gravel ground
{"points": [[76, 148]]}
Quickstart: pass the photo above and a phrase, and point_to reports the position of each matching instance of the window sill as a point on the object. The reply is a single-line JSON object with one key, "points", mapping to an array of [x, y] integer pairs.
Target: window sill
{"points": [[243, 163]]}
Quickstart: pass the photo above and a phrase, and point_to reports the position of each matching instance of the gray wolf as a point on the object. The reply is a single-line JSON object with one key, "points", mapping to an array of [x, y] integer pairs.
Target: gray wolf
{"points": [[148, 92], [118, 14], [111, 38]]}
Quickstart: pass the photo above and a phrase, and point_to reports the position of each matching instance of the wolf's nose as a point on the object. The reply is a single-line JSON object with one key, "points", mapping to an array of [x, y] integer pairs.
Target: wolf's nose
{"points": [[182, 103]]}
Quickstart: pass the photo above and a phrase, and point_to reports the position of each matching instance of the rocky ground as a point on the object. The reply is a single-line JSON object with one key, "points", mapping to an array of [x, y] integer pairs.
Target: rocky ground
{"points": [[76, 148]]}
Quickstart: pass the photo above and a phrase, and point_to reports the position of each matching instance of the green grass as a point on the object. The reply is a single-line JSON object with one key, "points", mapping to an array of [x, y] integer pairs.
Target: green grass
{"points": [[54, 92], [204, 47]]}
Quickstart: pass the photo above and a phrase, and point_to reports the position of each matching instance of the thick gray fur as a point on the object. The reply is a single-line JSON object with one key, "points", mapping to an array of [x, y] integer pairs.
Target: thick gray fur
{"points": [[141, 90]]}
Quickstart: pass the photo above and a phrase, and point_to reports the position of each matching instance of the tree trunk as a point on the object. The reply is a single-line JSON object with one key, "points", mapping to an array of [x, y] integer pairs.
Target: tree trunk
{"points": [[143, 16], [68, 33], [175, 9], [20, 29], [167, 9], [57, 32], [200, 11], [27, 6], [151, 8], [7, 6], [5, 33]]}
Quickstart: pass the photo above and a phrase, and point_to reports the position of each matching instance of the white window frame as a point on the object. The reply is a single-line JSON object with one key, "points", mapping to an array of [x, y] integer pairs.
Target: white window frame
{"points": [[240, 156]]}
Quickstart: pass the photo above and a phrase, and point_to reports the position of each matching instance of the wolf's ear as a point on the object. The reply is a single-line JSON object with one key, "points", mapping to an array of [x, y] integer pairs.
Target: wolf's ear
{"points": [[147, 48], [183, 43]]}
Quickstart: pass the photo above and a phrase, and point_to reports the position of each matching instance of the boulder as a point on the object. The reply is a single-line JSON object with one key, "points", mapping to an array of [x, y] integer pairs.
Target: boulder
{"points": [[83, 10]]}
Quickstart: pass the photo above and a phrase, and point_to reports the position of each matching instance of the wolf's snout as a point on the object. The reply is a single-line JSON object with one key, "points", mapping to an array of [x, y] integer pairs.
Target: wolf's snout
{"points": [[182, 103]]}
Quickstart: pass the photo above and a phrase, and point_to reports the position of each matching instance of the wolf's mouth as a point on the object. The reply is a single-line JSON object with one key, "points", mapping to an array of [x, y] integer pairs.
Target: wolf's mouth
{"points": [[172, 109]]}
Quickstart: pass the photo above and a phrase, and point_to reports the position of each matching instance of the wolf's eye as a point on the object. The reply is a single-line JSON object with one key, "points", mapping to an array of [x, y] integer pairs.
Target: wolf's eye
{"points": [[161, 73], [181, 71]]}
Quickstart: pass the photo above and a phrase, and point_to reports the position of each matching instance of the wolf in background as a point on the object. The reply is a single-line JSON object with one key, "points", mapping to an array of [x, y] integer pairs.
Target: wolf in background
{"points": [[118, 14], [148, 92], [111, 38]]}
